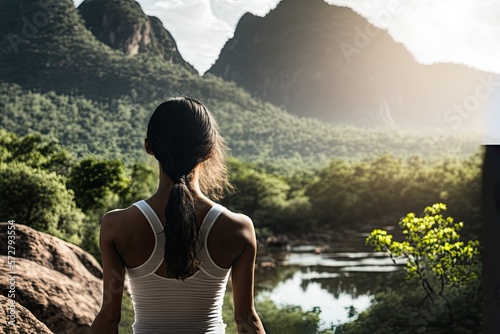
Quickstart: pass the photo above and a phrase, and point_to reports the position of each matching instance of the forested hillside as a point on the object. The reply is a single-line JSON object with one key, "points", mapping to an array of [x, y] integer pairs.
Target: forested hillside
{"points": [[262, 134], [59, 79], [75, 98]]}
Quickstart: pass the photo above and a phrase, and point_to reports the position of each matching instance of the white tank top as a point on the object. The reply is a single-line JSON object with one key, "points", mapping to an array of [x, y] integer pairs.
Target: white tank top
{"points": [[167, 305]]}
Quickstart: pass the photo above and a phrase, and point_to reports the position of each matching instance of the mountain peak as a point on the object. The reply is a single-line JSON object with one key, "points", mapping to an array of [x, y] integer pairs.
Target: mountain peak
{"points": [[120, 24], [328, 62], [123, 25]]}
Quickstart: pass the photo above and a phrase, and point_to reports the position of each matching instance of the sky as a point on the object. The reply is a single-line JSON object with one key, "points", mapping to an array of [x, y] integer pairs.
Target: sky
{"points": [[455, 31]]}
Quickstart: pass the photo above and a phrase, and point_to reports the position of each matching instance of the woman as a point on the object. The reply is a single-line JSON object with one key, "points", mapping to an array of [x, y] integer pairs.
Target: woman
{"points": [[178, 246]]}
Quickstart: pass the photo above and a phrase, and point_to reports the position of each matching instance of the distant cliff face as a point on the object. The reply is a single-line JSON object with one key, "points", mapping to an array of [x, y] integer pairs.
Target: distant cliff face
{"points": [[328, 62], [130, 37], [122, 25]]}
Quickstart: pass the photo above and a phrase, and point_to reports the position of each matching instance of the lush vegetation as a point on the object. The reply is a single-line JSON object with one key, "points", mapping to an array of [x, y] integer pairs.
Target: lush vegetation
{"points": [[260, 133], [32, 179], [443, 289], [96, 100], [39, 199], [433, 251], [77, 112], [44, 178], [360, 194], [380, 190], [402, 310], [357, 194]]}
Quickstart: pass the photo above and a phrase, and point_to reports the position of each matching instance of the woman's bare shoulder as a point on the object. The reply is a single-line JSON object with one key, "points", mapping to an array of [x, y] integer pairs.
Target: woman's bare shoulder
{"points": [[121, 218], [121, 213], [237, 225]]}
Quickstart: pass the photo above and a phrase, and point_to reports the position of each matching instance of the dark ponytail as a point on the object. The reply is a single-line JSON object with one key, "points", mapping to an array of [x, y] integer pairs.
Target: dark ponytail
{"points": [[182, 134], [182, 231]]}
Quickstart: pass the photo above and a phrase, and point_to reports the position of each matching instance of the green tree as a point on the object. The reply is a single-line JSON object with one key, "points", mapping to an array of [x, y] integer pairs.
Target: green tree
{"points": [[268, 199], [143, 180], [334, 195], [433, 251], [39, 199], [37, 151], [95, 182], [258, 194]]}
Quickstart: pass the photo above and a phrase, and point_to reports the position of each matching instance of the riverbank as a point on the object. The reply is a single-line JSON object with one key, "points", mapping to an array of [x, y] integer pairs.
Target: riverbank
{"points": [[273, 249]]}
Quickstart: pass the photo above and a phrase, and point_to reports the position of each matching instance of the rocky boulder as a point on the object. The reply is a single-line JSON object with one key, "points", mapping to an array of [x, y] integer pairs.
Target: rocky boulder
{"points": [[59, 283], [23, 322]]}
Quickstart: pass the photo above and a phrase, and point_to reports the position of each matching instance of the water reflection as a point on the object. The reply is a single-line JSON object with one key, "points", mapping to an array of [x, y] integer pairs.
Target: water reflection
{"points": [[332, 281], [299, 290], [342, 260]]}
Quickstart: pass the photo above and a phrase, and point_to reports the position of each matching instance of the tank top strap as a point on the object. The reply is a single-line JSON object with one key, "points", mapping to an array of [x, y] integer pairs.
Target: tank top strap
{"points": [[208, 265], [156, 257], [151, 216], [210, 219]]}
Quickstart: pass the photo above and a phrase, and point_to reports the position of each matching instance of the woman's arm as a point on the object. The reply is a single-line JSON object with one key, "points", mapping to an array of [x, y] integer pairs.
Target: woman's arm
{"points": [[108, 318], [245, 316]]}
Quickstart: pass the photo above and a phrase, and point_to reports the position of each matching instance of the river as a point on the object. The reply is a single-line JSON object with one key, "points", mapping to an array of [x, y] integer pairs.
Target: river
{"points": [[333, 281]]}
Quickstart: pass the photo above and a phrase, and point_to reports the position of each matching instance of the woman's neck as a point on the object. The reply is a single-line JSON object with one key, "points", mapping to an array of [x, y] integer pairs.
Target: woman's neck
{"points": [[165, 184]]}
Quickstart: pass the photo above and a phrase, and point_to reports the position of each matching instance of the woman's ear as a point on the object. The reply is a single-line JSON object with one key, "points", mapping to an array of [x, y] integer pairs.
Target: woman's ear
{"points": [[147, 147]]}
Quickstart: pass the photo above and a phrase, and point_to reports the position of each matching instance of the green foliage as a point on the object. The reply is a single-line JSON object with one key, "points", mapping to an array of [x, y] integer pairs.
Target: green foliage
{"points": [[50, 170], [95, 181], [127, 315], [334, 195], [272, 139], [112, 131], [378, 190], [39, 199], [266, 198], [403, 311], [288, 318], [434, 254], [258, 193], [35, 151], [277, 319], [142, 182], [432, 247]]}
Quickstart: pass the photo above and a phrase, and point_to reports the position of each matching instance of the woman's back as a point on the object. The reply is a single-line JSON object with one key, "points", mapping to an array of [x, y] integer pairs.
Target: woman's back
{"points": [[165, 304], [168, 305], [179, 262], [136, 240]]}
